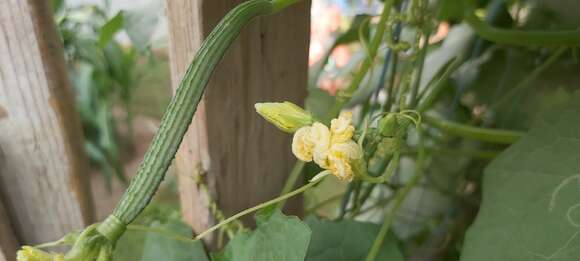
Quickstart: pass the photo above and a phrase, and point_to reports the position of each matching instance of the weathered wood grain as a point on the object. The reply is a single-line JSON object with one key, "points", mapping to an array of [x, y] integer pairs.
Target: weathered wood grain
{"points": [[8, 241], [42, 163], [246, 159]]}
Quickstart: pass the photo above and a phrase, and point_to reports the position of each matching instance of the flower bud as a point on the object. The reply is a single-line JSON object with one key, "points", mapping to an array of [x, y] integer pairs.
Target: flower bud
{"points": [[28, 253], [286, 116], [388, 125]]}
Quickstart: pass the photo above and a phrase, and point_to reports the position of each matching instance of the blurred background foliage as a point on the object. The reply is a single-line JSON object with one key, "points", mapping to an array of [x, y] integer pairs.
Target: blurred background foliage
{"points": [[114, 75]]}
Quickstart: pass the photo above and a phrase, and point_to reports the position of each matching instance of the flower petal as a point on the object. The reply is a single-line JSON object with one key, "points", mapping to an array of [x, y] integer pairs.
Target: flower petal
{"points": [[302, 146], [320, 136], [341, 128]]}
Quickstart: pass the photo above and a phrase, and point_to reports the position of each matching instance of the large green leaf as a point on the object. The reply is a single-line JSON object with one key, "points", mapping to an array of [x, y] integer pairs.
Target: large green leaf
{"points": [[161, 247], [347, 240], [174, 244], [279, 238], [530, 195]]}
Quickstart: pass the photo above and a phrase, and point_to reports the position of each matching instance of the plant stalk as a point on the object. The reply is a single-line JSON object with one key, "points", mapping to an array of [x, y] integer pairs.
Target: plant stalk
{"points": [[475, 133], [262, 205]]}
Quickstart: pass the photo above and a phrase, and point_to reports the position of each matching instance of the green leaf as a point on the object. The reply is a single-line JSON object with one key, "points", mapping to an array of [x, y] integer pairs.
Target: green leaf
{"points": [[530, 195], [450, 10], [118, 69], [173, 244], [347, 240], [280, 238], [57, 5], [162, 247], [319, 103], [109, 29]]}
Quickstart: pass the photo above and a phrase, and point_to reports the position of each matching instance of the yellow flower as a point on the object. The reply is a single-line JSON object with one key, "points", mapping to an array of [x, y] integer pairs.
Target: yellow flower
{"points": [[340, 157], [341, 128], [310, 142], [320, 136], [302, 146], [332, 149]]}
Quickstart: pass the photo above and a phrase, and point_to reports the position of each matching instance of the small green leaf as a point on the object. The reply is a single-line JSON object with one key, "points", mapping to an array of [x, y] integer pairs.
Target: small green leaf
{"points": [[279, 238], [530, 195], [347, 240], [319, 102], [109, 29]]}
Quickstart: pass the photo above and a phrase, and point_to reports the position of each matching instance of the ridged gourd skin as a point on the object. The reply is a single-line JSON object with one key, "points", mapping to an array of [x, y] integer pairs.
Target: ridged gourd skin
{"points": [[180, 111]]}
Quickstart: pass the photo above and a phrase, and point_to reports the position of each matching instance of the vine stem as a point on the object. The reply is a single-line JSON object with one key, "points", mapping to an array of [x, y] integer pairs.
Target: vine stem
{"points": [[366, 64], [516, 37], [531, 77], [398, 200], [419, 71], [476, 133], [291, 181], [271, 202]]}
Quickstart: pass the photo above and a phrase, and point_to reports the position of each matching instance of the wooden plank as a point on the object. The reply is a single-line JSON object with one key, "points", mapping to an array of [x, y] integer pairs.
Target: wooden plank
{"points": [[8, 242], [42, 163], [246, 159]]}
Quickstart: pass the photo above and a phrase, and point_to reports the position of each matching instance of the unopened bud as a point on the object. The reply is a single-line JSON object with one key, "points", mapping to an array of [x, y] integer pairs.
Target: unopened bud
{"points": [[286, 116], [388, 125], [28, 253]]}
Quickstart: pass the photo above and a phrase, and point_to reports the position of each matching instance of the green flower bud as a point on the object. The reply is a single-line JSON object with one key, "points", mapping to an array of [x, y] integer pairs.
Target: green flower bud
{"points": [[286, 116], [388, 125], [91, 245], [28, 253]]}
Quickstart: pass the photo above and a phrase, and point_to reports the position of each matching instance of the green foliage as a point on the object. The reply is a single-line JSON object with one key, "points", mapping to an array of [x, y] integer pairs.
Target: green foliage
{"points": [[109, 29], [169, 239], [530, 195], [347, 240], [277, 238], [104, 74]]}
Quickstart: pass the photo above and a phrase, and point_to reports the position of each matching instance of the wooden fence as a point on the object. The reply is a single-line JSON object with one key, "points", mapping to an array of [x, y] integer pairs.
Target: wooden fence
{"points": [[44, 190]]}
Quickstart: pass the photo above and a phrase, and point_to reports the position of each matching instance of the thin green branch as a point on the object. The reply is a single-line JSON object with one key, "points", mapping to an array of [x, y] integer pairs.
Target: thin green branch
{"points": [[465, 152], [419, 70], [516, 37], [373, 47], [475, 133], [291, 181], [526, 82], [313, 182], [432, 96], [398, 200]]}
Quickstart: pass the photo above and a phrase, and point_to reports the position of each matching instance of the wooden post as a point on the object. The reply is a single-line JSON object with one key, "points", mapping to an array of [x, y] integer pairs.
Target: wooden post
{"points": [[42, 163], [246, 159], [8, 242]]}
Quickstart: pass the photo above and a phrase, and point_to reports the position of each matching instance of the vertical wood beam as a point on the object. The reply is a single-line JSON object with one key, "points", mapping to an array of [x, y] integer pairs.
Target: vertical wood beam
{"points": [[42, 165], [8, 241], [246, 159]]}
